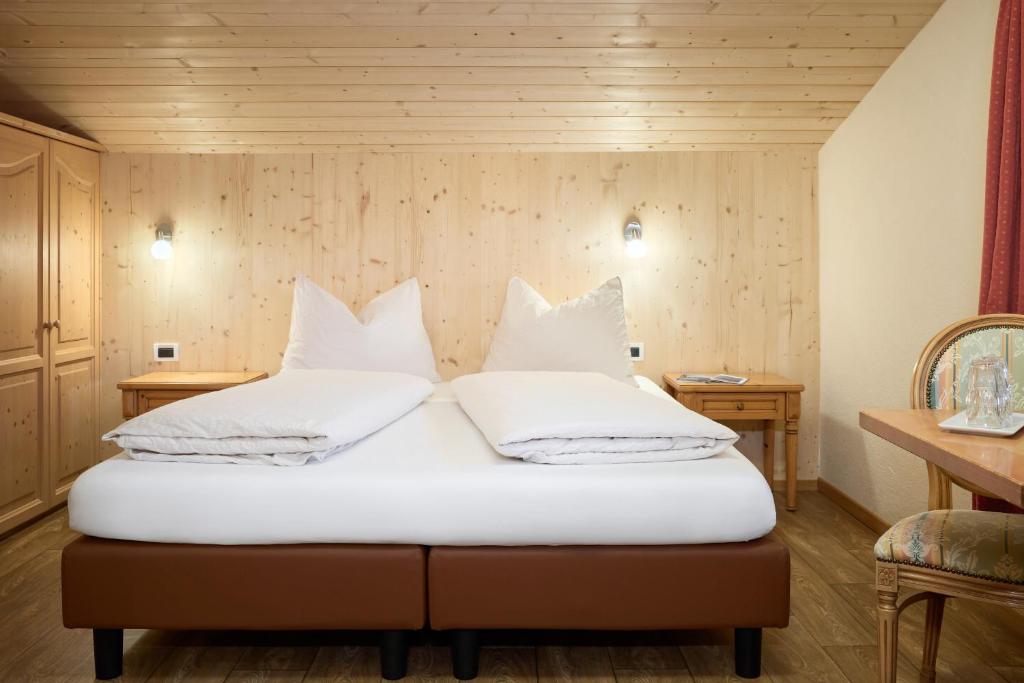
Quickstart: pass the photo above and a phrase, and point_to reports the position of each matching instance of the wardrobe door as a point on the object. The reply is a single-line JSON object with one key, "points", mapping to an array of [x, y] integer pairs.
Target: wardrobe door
{"points": [[74, 307], [23, 339]]}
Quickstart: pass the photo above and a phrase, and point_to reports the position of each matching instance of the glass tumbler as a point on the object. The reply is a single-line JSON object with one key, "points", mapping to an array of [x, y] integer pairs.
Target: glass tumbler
{"points": [[988, 393]]}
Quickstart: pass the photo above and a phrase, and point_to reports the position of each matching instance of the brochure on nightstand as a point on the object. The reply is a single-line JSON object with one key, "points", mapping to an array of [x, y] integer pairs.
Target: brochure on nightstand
{"points": [[712, 379]]}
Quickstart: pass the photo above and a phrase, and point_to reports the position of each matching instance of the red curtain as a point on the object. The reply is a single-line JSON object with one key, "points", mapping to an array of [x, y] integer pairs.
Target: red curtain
{"points": [[1002, 287], [1002, 265]]}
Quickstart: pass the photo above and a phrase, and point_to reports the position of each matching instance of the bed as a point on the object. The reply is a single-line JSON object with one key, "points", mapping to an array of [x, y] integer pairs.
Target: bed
{"points": [[423, 522]]}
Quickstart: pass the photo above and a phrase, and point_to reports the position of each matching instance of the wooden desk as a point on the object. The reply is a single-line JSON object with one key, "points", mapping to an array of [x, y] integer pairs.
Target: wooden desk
{"points": [[145, 392], [991, 463], [764, 398]]}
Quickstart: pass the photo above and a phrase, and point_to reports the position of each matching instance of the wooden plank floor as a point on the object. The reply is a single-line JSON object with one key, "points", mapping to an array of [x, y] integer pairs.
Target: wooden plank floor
{"points": [[830, 638]]}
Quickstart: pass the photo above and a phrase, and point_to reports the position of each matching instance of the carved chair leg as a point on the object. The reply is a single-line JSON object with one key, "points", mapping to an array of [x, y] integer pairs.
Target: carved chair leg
{"points": [[932, 628], [888, 629]]}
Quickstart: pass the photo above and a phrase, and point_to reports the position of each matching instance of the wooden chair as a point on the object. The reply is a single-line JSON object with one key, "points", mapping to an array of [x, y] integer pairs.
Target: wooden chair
{"points": [[940, 379], [948, 553]]}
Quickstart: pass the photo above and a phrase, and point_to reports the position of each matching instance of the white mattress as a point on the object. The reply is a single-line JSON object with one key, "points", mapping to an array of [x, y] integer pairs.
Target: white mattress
{"points": [[430, 478]]}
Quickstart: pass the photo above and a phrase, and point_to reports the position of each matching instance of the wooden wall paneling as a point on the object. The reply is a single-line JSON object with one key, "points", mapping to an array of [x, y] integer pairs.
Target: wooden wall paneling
{"points": [[433, 191], [776, 223], [803, 349], [122, 255], [734, 261], [24, 468], [148, 301], [221, 254], [384, 223], [363, 237], [279, 207], [158, 303], [667, 252], [699, 345], [458, 243], [774, 214], [622, 196], [728, 282], [496, 190], [630, 186], [337, 253], [74, 295]]}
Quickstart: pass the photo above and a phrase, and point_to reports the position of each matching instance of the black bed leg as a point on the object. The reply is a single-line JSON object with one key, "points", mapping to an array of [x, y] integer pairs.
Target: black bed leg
{"points": [[465, 654], [394, 654], [107, 652], [748, 652]]}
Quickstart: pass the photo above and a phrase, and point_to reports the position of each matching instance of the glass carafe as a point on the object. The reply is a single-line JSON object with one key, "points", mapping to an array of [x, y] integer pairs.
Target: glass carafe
{"points": [[988, 393]]}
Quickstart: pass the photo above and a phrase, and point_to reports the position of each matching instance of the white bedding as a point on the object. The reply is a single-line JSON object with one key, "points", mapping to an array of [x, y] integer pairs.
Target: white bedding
{"points": [[285, 420], [428, 478], [584, 418]]}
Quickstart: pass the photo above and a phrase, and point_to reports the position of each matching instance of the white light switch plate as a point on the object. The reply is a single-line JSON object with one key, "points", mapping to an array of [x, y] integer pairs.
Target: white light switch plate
{"points": [[165, 352]]}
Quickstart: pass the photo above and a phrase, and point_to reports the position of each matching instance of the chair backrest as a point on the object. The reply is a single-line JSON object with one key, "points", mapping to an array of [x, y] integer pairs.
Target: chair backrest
{"points": [[941, 371]]}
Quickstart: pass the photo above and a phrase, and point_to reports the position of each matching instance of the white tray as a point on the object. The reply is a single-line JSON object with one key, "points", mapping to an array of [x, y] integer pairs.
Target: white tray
{"points": [[958, 423]]}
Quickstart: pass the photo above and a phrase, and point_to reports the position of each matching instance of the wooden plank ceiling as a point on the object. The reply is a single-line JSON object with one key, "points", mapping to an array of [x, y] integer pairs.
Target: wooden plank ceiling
{"points": [[278, 76]]}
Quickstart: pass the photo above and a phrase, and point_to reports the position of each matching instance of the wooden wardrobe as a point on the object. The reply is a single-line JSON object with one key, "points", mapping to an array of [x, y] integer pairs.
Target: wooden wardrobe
{"points": [[49, 316]]}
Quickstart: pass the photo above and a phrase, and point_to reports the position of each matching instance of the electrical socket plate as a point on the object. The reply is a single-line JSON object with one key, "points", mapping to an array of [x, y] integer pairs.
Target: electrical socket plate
{"points": [[636, 350], [165, 352]]}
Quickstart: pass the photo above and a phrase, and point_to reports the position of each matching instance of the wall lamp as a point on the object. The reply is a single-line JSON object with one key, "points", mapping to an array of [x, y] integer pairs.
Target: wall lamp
{"points": [[634, 234], [162, 249]]}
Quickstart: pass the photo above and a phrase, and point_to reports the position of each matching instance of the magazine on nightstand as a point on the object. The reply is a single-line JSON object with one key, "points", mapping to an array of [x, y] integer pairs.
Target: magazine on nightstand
{"points": [[712, 379]]}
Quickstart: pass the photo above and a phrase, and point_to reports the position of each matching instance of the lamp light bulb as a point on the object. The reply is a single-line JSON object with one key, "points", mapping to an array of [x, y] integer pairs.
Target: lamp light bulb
{"points": [[161, 249], [636, 248]]}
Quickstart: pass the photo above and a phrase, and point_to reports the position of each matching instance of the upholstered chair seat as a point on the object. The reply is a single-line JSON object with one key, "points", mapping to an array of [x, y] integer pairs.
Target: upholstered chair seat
{"points": [[984, 545]]}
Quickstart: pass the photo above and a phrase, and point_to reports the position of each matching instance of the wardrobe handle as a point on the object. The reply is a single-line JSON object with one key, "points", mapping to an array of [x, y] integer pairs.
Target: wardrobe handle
{"points": [[56, 324], [46, 324]]}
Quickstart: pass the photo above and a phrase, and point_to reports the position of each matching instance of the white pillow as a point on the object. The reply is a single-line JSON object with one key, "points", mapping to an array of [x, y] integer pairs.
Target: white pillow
{"points": [[388, 336], [587, 334]]}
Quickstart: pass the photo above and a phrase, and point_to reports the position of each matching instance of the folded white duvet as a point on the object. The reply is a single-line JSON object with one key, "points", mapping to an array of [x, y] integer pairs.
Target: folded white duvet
{"points": [[584, 418], [285, 420]]}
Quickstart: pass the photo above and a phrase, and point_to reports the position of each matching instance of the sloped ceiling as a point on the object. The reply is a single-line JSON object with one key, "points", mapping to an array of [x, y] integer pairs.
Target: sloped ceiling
{"points": [[234, 76]]}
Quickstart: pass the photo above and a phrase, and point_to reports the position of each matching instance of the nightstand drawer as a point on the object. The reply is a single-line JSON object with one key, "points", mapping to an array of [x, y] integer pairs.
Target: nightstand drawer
{"points": [[148, 400], [742, 406], [146, 392]]}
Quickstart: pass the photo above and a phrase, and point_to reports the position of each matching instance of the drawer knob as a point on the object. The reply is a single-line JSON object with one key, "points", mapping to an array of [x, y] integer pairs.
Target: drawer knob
{"points": [[739, 405]]}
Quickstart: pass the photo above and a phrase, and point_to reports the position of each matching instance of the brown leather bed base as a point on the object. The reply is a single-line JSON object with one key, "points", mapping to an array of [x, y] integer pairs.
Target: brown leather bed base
{"points": [[744, 586], [112, 585]]}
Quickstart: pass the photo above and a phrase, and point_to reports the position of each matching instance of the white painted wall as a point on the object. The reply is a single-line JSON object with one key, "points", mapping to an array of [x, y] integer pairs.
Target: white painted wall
{"points": [[901, 215]]}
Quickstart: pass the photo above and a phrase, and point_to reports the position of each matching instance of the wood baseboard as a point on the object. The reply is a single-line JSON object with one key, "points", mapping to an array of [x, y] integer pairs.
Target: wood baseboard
{"points": [[855, 509], [801, 485], [21, 526]]}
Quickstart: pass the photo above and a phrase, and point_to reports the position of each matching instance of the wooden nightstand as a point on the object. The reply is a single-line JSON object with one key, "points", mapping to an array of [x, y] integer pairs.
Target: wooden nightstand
{"points": [[145, 392], [764, 398]]}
